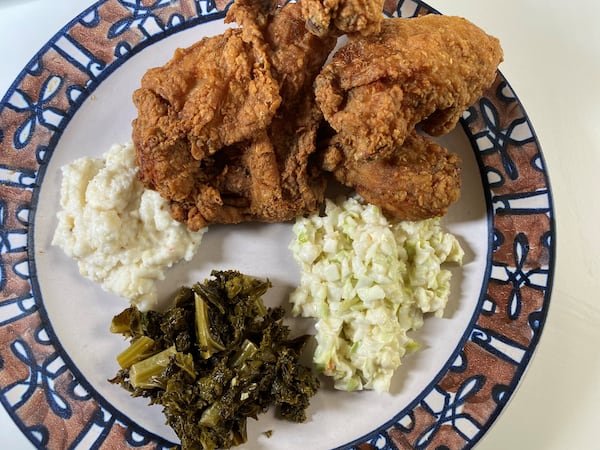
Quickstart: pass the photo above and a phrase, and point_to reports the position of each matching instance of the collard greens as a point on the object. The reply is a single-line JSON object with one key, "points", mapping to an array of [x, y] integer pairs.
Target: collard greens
{"points": [[215, 358]]}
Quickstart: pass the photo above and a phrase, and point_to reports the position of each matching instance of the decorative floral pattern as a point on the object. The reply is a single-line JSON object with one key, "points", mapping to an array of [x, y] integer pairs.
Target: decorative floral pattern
{"points": [[43, 393]]}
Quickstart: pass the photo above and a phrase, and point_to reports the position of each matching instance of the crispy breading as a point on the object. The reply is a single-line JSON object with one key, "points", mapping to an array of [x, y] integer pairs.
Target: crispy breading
{"points": [[418, 180], [420, 71], [338, 17], [228, 129], [225, 129]]}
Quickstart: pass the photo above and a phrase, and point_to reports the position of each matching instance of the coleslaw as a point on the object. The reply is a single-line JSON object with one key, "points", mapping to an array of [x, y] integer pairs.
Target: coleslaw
{"points": [[368, 282]]}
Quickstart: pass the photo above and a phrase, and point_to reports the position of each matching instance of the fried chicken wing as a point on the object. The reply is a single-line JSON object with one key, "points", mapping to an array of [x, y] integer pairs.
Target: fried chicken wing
{"points": [[225, 130], [421, 71], [337, 17]]}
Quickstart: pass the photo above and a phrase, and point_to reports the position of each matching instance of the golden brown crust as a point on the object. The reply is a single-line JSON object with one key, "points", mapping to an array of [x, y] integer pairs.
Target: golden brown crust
{"points": [[338, 17], [416, 181], [419, 72], [425, 70], [226, 128]]}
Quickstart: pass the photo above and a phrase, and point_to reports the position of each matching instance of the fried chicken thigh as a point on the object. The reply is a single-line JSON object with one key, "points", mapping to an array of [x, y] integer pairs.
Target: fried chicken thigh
{"points": [[416, 73], [416, 181], [225, 130]]}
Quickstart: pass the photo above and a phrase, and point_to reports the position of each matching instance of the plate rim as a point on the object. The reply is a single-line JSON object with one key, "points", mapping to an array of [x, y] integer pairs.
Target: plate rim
{"points": [[389, 432]]}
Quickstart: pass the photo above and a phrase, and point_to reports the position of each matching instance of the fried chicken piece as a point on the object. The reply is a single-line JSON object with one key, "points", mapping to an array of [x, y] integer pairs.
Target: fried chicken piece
{"points": [[297, 57], [416, 181], [226, 129], [420, 71], [188, 109], [338, 17]]}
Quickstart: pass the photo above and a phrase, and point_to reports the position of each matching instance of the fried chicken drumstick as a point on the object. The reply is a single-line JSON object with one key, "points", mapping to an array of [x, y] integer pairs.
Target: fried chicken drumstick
{"points": [[421, 72]]}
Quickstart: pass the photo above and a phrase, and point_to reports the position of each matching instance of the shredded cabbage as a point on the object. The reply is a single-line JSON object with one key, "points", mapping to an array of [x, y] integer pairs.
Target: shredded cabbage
{"points": [[368, 282]]}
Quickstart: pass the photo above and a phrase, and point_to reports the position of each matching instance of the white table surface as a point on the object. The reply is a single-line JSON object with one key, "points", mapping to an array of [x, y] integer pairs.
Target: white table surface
{"points": [[552, 60]]}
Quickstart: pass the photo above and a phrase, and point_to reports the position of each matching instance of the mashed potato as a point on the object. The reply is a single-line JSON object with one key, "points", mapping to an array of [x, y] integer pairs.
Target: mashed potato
{"points": [[120, 234], [368, 282]]}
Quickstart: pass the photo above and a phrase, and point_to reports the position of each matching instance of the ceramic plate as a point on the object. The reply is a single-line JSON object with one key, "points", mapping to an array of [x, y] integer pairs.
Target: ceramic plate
{"points": [[74, 99]]}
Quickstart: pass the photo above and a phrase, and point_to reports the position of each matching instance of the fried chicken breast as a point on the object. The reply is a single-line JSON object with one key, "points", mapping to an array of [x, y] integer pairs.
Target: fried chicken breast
{"points": [[188, 110]]}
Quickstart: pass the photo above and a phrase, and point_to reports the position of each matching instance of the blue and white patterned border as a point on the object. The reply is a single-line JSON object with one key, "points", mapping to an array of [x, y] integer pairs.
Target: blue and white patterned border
{"points": [[447, 414]]}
